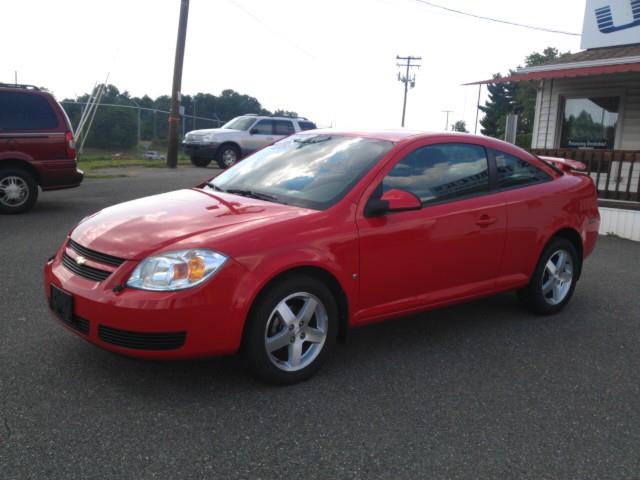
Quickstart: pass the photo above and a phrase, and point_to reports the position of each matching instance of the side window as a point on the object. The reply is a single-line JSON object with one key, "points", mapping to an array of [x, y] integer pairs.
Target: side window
{"points": [[264, 127], [306, 125], [512, 171], [25, 111], [283, 127], [441, 172]]}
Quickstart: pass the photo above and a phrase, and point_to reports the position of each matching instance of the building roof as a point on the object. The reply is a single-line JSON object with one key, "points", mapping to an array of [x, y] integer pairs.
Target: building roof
{"points": [[608, 53], [597, 61]]}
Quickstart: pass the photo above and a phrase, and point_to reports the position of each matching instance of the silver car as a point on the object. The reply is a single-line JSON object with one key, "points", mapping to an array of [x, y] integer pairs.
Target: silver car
{"points": [[238, 138]]}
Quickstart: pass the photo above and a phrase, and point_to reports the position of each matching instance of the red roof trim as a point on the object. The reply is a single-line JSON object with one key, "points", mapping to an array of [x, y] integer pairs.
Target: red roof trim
{"points": [[564, 73]]}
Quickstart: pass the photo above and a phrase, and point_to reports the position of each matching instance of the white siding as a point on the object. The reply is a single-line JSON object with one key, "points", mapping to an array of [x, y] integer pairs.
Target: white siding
{"points": [[624, 223], [546, 129]]}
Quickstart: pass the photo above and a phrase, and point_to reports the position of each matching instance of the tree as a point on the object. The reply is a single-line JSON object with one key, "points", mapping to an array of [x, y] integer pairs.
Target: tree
{"points": [[460, 126], [116, 128], [285, 113], [500, 104], [515, 97]]}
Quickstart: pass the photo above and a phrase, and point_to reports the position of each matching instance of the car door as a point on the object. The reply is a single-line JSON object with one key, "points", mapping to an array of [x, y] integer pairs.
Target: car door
{"points": [[449, 249], [530, 207], [261, 135]]}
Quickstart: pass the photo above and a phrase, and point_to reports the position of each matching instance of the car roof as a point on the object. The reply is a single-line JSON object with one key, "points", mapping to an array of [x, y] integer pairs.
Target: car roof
{"points": [[399, 135]]}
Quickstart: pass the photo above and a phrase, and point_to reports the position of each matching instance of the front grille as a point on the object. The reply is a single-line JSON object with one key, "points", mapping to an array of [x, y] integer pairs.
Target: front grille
{"points": [[85, 271], [77, 323], [142, 341], [95, 256]]}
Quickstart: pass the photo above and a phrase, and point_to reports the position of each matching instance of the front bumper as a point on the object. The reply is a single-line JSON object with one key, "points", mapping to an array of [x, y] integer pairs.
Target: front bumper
{"points": [[200, 150], [198, 322]]}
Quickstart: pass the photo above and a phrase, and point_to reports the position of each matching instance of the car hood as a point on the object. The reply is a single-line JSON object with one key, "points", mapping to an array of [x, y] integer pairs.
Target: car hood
{"points": [[207, 131], [135, 229]]}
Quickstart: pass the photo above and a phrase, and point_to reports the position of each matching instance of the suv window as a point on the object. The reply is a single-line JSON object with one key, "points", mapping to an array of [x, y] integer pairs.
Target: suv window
{"points": [[306, 125], [512, 171], [26, 111], [283, 127], [263, 127], [441, 172]]}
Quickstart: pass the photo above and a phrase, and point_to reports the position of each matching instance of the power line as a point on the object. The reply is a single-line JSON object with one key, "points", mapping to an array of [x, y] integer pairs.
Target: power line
{"points": [[273, 31], [496, 20], [407, 79]]}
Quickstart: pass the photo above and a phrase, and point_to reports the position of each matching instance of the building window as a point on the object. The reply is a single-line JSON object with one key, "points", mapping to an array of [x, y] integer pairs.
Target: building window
{"points": [[590, 122]]}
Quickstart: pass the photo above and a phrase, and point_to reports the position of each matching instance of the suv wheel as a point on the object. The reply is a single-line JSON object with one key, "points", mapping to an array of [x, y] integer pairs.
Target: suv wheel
{"points": [[228, 156], [200, 162], [18, 191], [554, 279], [291, 330]]}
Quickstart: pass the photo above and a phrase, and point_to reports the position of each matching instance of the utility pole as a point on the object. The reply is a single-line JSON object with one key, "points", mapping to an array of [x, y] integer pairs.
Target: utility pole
{"points": [[195, 114], [139, 122], [446, 125], [475, 128], [407, 78], [174, 116]]}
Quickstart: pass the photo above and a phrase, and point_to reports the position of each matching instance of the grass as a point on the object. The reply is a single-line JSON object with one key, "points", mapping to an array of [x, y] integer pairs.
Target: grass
{"points": [[93, 162]]}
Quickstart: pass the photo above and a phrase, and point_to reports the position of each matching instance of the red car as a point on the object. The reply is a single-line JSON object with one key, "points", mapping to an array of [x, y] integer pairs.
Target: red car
{"points": [[278, 256], [36, 147]]}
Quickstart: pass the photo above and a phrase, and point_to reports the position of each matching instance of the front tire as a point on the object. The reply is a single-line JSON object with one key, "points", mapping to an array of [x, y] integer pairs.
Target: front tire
{"points": [[554, 279], [228, 156], [18, 191], [200, 162], [290, 331]]}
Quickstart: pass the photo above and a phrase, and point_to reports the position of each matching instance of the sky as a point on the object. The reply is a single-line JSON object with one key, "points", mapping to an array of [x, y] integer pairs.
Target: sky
{"points": [[333, 61]]}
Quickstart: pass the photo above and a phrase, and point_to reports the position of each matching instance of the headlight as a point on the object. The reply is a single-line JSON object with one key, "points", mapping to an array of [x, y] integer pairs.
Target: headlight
{"points": [[176, 270], [208, 138]]}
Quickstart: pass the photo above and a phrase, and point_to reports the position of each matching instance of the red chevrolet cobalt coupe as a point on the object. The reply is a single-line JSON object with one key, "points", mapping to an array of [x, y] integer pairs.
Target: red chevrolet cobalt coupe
{"points": [[278, 256]]}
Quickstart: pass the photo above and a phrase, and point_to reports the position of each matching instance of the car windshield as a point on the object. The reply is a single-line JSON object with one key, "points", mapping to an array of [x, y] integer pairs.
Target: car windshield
{"points": [[309, 171], [240, 123]]}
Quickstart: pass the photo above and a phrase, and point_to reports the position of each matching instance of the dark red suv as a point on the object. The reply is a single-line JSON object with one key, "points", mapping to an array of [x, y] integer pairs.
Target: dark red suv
{"points": [[36, 147]]}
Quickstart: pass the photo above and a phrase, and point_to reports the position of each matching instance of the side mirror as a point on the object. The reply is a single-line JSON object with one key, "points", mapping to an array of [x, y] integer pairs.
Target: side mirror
{"points": [[394, 200], [253, 131]]}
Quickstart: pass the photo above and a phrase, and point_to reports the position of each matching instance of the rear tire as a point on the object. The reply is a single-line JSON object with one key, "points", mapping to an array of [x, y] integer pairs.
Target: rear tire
{"points": [[18, 191], [554, 279], [200, 162], [228, 156], [291, 329]]}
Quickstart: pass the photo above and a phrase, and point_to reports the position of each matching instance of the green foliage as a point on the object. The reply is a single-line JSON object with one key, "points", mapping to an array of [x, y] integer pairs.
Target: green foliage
{"points": [[285, 113], [117, 128], [460, 126], [515, 97]]}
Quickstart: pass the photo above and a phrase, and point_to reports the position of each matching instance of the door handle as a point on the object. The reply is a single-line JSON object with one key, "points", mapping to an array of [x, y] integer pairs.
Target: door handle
{"points": [[486, 220]]}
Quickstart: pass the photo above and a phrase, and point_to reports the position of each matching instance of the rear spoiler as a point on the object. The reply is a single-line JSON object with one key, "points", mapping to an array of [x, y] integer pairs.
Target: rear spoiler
{"points": [[564, 164]]}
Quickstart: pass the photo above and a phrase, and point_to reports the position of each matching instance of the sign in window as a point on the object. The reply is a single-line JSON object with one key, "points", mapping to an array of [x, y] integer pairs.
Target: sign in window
{"points": [[590, 122]]}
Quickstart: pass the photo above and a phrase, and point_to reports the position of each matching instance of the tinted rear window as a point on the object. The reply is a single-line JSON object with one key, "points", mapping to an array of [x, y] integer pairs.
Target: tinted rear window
{"points": [[25, 111], [307, 125], [283, 127]]}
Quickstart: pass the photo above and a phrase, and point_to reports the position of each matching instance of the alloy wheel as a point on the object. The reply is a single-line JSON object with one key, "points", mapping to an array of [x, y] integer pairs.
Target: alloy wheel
{"points": [[296, 331], [557, 277], [14, 191], [229, 157]]}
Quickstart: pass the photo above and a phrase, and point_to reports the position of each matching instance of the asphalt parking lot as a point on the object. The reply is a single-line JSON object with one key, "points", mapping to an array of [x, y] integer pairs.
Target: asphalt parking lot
{"points": [[480, 390]]}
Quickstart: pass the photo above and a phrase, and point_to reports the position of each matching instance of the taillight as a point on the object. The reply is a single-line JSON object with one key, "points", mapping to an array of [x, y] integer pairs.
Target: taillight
{"points": [[70, 145]]}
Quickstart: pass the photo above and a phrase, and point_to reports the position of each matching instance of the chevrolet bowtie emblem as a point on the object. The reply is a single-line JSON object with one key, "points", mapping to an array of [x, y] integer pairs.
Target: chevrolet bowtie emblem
{"points": [[80, 260]]}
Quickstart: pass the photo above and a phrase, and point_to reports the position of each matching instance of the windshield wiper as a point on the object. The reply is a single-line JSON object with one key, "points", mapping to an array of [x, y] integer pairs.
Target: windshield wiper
{"points": [[312, 140], [213, 186], [252, 194]]}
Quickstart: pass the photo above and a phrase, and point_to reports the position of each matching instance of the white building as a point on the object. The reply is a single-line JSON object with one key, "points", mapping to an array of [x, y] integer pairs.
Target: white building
{"points": [[588, 109]]}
